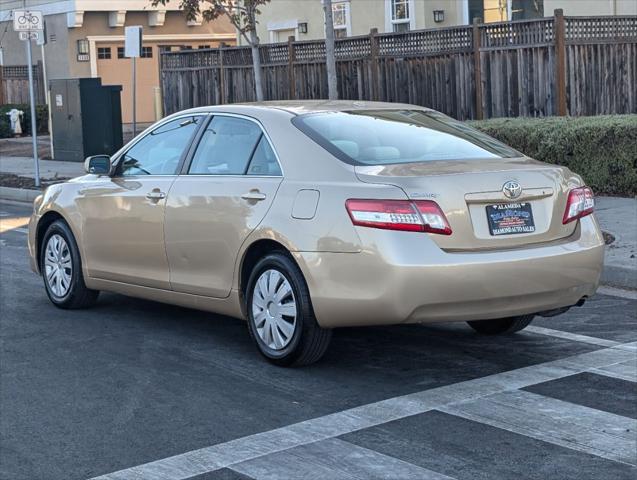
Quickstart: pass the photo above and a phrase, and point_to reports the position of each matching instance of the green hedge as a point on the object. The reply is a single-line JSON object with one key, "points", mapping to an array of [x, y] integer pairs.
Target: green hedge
{"points": [[41, 115], [602, 149]]}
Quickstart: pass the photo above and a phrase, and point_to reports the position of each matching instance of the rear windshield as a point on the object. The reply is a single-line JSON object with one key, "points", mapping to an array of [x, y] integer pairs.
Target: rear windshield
{"points": [[383, 137]]}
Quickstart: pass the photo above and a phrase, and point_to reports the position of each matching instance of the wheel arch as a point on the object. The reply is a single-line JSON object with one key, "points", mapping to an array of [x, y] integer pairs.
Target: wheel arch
{"points": [[251, 255], [43, 224]]}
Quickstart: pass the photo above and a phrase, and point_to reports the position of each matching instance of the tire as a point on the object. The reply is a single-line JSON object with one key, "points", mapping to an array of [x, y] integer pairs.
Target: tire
{"points": [[501, 325], [283, 339], [69, 292]]}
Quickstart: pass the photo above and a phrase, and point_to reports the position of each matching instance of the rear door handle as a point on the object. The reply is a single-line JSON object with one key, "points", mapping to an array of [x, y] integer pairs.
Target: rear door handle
{"points": [[155, 195], [254, 195]]}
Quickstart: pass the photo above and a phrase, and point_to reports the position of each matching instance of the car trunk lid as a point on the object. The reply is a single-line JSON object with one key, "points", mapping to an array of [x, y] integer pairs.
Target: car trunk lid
{"points": [[464, 190]]}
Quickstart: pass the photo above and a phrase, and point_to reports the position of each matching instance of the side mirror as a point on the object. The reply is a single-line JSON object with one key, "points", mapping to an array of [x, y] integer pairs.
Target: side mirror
{"points": [[98, 165]]}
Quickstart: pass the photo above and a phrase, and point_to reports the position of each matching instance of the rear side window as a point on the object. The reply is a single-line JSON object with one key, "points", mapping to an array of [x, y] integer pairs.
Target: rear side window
{"points": [[226, 147], [384, 137], [264, 161]]}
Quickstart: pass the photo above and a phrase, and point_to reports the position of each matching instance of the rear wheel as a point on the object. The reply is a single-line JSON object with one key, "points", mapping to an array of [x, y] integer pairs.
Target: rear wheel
{"points": [[501, 325], [61, 269], [280, 316]]}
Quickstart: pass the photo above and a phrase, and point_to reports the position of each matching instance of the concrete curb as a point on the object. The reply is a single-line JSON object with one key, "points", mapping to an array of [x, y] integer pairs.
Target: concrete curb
{"points": [[620, 277], [18, 194]]}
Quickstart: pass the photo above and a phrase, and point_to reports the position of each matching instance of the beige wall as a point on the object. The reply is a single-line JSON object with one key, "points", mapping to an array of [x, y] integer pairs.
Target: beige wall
{"points": [[61, 54], [364, 15], [592, 7], [118, 71], [367, 14]]}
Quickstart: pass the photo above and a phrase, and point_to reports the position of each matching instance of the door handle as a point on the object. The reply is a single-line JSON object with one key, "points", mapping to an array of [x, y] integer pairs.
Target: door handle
{"points": [[254, 195], [155, 195]]}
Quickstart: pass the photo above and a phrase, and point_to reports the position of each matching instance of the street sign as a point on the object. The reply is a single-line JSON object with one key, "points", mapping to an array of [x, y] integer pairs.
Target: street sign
{"points": [[133, 49], [133, 41], [27, 20], [29, 25], [24, 36], [42, 40]]}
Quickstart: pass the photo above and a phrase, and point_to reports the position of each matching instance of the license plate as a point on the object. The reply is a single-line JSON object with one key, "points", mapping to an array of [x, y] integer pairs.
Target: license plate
{"points": [[510, 218]]}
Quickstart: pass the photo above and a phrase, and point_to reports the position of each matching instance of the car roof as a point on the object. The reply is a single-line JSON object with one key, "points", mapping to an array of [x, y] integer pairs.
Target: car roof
{"points": [[299, 107]]}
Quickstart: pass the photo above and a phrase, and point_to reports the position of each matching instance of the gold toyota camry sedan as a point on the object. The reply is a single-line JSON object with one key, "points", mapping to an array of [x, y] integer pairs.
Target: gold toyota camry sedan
{"points": [[301, 217]]}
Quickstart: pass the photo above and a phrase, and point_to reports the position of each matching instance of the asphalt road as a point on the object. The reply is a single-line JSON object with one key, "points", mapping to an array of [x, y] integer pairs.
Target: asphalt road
{"points": [[156, 391]]}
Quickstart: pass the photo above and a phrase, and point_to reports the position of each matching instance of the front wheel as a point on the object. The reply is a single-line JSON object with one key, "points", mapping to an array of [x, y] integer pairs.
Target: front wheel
{"points": [[61, 269], [280, 316], [501, 325]]}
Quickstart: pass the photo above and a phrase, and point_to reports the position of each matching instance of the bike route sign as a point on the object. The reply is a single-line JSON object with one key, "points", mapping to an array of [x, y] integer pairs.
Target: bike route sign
{"points": [[27, 20]]}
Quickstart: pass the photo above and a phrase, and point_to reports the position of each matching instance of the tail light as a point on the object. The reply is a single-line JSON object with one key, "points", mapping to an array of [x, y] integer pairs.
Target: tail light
{"points": [[405, 215], [579, 204]]}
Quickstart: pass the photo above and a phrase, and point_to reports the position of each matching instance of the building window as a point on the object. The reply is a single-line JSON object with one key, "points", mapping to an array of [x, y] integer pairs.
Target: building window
{"points": [[186, 47], [147, 52], [121, 52], [340, 18], [527, 9], [400, 14], [165, 48], [203, 47], [104, 53]]}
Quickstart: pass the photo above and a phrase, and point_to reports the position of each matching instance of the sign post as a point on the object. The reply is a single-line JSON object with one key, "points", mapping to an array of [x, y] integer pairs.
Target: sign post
{"points": [[29, 25], [42, 40], [133, 49]]}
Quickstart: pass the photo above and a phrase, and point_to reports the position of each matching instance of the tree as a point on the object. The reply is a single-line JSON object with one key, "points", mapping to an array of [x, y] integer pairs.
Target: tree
{"points": [[243, 16], [330, 57]]}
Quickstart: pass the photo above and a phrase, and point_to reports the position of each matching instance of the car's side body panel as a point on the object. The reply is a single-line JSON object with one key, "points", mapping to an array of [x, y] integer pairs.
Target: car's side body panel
{"points": [[123, 230], [207, 221]]}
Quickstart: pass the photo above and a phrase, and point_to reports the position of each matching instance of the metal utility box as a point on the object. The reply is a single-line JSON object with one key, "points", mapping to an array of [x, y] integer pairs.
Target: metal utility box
{"points": [[86, 118]]}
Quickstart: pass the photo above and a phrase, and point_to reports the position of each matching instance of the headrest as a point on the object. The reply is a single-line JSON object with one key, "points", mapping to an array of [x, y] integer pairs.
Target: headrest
{"points": [[379, 154], [347, 146]]}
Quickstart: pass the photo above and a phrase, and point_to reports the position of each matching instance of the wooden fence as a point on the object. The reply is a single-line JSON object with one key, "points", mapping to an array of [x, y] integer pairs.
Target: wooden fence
{"points": [[14, 84], [550, 66]]}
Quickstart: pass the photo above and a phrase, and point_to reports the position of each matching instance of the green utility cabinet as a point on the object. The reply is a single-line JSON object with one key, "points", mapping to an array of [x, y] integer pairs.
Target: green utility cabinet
{"points": [[86, 118]]}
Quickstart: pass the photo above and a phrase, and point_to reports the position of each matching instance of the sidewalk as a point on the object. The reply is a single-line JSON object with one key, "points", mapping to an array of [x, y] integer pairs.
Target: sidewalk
{"points": [[49, 169], [617, 216]]}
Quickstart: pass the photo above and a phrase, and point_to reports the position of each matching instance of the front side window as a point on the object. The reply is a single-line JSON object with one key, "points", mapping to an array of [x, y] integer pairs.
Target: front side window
{"points": [[159, 152], [147, 52], [226, 147], [382, 137]]}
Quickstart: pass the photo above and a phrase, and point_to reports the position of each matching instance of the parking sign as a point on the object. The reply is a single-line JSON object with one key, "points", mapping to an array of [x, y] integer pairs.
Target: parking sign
{"points": [[27, 20]]}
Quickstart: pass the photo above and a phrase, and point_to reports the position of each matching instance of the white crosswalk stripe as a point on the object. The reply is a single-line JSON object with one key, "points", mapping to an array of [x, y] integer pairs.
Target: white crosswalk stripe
{"points": [[575, 337], [554, 421], [333, 459], [623, 370]]}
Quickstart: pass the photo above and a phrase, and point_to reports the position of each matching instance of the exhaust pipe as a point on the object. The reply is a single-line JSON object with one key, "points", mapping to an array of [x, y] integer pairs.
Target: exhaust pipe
{"points": [[559, 311]]}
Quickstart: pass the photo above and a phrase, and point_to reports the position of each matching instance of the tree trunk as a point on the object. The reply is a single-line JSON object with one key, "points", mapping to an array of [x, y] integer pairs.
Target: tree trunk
{"points": [[256, 65], [330, 58]]}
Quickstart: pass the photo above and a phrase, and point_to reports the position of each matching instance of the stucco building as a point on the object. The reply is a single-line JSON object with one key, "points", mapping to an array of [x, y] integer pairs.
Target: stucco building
{"points": [[303, 19], [85, 38]]}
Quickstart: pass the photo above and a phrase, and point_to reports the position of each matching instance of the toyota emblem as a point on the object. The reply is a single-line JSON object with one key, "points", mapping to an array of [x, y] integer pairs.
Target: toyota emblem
{"points": [[512, 189]]}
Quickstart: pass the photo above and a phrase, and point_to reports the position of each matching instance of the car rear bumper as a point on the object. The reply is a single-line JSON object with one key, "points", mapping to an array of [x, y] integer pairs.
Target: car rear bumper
{"points": [[402, 277]]}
